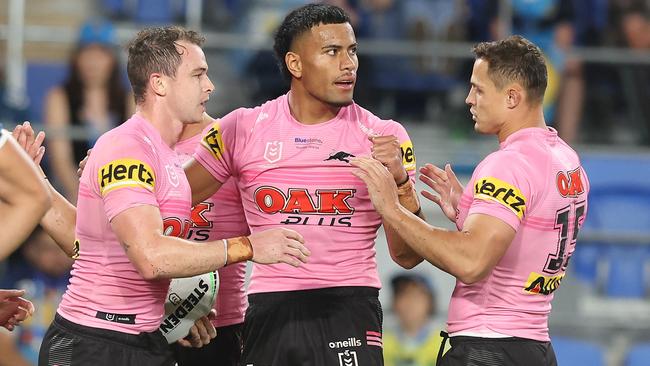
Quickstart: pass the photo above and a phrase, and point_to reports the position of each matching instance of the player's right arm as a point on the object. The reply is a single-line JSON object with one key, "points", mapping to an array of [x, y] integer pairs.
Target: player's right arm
{"points": [[155, 256]]}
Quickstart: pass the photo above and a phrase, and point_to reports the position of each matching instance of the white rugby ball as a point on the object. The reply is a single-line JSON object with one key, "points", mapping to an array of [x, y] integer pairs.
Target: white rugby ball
{"points": [[188, 299]]}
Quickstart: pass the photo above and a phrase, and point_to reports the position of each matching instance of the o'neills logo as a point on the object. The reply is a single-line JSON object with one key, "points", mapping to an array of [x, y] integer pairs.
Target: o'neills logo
{"points": [[122, 173], [493, 189], [183, 306], [542, 285], [271, 200], [350, 342]]}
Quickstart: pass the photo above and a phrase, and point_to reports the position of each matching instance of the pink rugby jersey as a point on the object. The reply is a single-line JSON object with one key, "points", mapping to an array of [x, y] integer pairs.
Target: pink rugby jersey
{"points": [[535, 184], [221, 216], [130, 166], [298, 176]]}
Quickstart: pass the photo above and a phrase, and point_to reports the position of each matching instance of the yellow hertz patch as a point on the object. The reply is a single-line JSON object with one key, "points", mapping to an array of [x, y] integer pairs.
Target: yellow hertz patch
{"points": [[213, 141], [542, 285], [408, 155], [493, 189], [122, 173]]}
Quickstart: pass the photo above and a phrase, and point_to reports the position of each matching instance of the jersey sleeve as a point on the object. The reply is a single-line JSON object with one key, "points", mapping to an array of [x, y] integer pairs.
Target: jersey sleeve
{"points": [[405, 144], [502, 188], [124, 174], [217, 148]]}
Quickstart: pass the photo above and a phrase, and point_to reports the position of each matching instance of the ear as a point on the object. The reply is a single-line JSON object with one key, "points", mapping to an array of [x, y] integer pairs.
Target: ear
{"points": [[514, 96], [294, 64], [158, 84]]}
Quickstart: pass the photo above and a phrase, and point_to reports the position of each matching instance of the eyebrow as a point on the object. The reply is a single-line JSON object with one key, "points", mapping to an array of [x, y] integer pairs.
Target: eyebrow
{"points": [[201, 69], [338, 46]]}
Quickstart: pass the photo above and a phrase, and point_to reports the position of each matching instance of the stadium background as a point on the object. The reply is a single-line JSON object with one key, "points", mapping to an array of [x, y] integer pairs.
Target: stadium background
{"points": [[415, 63]]}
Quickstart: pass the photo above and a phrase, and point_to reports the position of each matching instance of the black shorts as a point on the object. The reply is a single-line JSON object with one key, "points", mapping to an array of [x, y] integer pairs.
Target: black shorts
{"points": [[224, 350], [323, 327], [69, 344], [466, 351]]}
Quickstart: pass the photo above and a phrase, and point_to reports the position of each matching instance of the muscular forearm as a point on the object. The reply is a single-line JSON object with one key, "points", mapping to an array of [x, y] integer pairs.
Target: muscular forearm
{"points": [[451, 251], [170, 257], [19, 220], [59, 222], [400, 251]]}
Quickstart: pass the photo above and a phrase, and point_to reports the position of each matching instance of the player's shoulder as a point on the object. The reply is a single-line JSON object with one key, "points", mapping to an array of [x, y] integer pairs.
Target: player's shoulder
{"points": [[249, 118], [373, 124], [125, 139], [507, 162]]}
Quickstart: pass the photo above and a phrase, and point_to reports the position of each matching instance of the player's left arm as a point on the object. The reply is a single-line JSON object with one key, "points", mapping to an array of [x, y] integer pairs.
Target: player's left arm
{"points": [[469, 255], [24, 196], [396, 154]]}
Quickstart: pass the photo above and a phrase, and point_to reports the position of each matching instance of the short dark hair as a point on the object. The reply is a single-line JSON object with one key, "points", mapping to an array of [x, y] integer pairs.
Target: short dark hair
{"points": [[515, 59], [301, 20], [154, 50], [400, 282]]}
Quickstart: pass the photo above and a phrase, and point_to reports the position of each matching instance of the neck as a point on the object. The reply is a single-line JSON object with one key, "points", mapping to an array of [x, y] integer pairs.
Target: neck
{"points": [[531, 117], [159, 117], [307, 109], [192, 129]]}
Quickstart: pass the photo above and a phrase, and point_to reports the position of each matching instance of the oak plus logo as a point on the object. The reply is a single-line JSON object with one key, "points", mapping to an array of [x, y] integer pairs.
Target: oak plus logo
{"points": [[273, 151], [348, 358], [569, 184], [197, 228], [325, 207]]}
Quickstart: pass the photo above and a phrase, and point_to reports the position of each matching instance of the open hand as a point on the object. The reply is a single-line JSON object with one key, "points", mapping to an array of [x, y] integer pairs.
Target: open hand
{"points": [[446, 185]]}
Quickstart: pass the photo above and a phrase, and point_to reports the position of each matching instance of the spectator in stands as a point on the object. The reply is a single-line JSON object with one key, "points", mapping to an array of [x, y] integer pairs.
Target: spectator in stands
{"points": [[631, 21], [406, 86], [549, 24], [93, 98], [415, 340], [43, 271]]}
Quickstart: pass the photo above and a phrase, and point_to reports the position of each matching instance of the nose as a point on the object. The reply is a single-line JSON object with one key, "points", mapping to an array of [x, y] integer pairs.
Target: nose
{"points": [[210, 86], [349, 61], [469, 100]]}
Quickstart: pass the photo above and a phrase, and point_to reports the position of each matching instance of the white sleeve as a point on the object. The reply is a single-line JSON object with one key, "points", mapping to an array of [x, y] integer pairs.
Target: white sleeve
{"points": [[3, 137]]}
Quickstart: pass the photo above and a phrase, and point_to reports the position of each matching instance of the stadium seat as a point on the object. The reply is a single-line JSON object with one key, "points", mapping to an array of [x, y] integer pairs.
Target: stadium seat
{"points": [[618, 211], [584, 262], [159, 11], [576, 352], [626, 271], [40, 78], [638, 355]]}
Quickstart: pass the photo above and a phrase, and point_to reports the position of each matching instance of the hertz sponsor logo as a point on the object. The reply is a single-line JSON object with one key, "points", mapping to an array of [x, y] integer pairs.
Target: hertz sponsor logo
{"points": [[213, 141], [542, 285], [122, 173], [408, 155], [493, 189]]}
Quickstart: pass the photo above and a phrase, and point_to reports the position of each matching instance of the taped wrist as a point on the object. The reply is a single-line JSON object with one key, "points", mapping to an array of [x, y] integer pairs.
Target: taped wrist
{"points": [[239, 249], [408, 197]]}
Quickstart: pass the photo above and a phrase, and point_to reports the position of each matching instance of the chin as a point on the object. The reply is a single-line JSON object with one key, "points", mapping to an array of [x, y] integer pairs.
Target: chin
{"points": [[340, 103]]}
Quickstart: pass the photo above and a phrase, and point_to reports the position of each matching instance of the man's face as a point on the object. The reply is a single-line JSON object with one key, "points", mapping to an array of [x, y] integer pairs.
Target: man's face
{"points": [[486, 103], [328, 56], [191, 87]]}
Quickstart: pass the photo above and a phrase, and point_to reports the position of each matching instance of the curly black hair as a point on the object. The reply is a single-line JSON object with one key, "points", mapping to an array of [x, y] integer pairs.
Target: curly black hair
{"points": [[301, 20]]}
